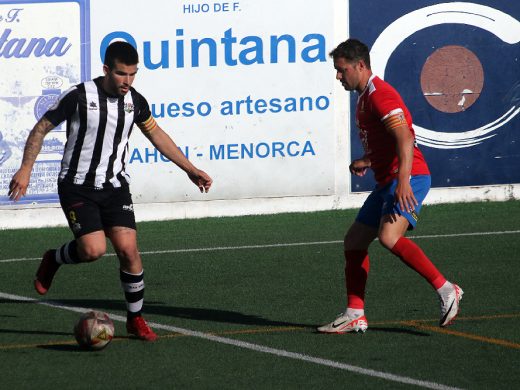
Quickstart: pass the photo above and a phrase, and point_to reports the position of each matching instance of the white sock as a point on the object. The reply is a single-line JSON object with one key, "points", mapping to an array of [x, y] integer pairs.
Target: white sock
{"points": [[354, 313], [445, 289]]}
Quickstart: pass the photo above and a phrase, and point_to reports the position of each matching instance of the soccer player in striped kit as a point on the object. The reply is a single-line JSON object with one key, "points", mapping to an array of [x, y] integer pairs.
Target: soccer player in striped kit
{"points": [[403, 180], [93, 185]]}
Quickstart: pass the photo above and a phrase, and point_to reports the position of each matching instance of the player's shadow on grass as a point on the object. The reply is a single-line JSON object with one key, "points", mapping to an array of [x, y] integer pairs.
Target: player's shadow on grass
{"points": [[224, 316], [191, 313], [67, 348], [61, 348], [212, 315], [398, 330], [30, 332]]}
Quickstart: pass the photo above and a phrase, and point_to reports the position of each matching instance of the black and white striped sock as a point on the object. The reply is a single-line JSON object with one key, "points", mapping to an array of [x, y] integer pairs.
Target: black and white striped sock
{"points": [[68, 253], [133, 286]]}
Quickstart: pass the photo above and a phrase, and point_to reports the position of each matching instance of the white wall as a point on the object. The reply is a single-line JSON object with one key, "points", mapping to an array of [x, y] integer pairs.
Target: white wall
{"points": [[300, 159]]}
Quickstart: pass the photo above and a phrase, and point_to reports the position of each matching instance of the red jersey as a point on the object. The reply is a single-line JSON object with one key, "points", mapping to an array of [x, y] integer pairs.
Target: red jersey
{"points": [[378, 101]]}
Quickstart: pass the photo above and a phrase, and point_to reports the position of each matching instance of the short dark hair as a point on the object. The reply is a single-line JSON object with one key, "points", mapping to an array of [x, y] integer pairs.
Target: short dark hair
{"points": [[352, 50], [121, 51]]}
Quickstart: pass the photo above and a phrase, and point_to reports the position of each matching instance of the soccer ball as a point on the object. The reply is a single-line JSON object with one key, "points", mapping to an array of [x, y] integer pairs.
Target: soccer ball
{"points": [[94, 330]]}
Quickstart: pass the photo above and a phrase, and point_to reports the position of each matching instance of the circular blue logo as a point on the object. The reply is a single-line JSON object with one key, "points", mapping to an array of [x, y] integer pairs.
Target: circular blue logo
{"points": [[43, 103]]}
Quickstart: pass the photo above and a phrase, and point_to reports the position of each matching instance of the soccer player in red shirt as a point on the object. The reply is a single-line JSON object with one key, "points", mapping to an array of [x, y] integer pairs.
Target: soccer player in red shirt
{"points": [[403, 180]]}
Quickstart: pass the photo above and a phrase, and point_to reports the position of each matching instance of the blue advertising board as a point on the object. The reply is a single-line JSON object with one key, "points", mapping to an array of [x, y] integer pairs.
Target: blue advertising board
{"points": [[456, 65]]}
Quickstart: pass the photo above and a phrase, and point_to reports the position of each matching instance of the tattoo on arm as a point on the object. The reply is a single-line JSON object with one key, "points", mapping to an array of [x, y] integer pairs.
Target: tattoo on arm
{"points": [[35, 140]]}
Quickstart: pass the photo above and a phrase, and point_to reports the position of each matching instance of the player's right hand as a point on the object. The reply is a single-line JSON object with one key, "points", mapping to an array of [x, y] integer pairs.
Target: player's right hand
{"points": [[18, 185], [201, 179], [359, 167]]}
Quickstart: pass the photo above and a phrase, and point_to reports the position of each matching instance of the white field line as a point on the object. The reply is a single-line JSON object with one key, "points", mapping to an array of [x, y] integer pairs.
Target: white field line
{"points": [[251, 346], [280, 245]]}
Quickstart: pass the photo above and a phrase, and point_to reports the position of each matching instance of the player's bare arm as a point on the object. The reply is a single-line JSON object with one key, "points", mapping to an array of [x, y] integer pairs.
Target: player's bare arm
{"points": [[360, 166], [404, 145], [20, 181], [164, 144]]}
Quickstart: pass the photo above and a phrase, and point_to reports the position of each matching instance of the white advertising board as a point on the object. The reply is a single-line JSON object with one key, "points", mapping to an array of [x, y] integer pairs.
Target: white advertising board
{"points": [[36, 64], [243, 87]]}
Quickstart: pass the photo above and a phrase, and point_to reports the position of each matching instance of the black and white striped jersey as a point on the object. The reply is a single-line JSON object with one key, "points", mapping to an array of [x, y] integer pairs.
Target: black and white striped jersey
{"points": [[98, 128]]}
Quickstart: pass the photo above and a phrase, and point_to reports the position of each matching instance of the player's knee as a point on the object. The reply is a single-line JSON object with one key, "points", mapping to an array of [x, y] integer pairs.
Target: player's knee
{"points": [[130, 260], [128, 254], [354, 243], [350, 242], [91, 252], [387, 240]]}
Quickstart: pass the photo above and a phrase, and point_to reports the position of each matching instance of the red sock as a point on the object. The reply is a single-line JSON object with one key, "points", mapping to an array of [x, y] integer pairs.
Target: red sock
{"points": [[356, 273], [413, 256]]}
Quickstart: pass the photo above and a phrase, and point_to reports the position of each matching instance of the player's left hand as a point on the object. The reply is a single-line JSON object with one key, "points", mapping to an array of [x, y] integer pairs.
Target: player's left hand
{"points": [[405, 197], [201, 179]]}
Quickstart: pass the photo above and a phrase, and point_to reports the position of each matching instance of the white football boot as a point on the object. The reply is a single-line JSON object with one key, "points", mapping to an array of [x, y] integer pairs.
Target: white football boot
{"points": [[450, 306], [345, 324]]}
